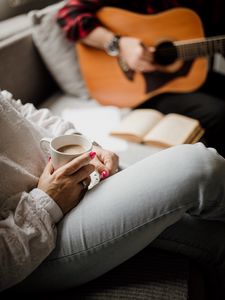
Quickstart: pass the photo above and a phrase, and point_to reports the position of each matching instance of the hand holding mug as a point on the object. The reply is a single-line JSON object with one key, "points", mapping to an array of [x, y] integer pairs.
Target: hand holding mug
{"points": [[64, 185], [67, 177], [106, 162], [64, 148]]}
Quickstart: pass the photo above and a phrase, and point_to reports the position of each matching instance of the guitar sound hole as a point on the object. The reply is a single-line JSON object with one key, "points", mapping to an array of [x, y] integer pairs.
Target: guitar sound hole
{"points": [[165, 54]]}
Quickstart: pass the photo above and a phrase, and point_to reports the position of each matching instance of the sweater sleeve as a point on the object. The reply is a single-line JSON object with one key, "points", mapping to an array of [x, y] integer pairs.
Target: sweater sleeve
{"points": [[77, 18], [27, 236], [42, 117]]}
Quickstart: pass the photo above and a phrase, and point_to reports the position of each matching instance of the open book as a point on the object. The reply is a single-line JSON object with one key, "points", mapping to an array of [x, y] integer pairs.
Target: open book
{"points": [[150, 126]]}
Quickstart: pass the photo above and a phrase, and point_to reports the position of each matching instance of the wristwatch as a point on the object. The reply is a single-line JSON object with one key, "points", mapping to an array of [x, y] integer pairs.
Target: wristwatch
{"points": [[113, 47]]}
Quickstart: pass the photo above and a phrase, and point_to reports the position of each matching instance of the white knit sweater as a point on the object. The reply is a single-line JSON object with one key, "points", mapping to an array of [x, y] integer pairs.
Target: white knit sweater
{"points": [[27, 215]]}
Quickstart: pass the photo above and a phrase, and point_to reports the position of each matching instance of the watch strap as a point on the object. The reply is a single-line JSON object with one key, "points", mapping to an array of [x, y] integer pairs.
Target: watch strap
{"points": [[113, 48]]}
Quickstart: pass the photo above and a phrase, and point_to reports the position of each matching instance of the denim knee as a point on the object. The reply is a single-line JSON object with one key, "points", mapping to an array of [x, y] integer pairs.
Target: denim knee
{"points": [[204, 163]]}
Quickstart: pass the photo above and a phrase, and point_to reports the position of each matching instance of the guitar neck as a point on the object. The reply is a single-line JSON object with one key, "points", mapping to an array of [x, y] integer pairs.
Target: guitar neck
{"points": [[197, 48]]}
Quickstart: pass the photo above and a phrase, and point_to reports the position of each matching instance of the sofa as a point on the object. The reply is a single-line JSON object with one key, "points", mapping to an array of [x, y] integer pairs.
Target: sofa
{"points": [[153, 273]]}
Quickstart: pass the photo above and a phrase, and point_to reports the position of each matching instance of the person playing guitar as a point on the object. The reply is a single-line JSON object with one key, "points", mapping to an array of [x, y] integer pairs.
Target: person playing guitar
{"points": [[203, 100]]}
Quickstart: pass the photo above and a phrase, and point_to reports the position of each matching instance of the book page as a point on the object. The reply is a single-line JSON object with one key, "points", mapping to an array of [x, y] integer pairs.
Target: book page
{"points": [[173, 129], [137, 123], [196, 136]]}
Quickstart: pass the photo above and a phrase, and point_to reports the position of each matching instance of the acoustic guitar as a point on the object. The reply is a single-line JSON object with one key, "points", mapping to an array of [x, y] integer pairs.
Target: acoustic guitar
{"points": [[181, 49]]}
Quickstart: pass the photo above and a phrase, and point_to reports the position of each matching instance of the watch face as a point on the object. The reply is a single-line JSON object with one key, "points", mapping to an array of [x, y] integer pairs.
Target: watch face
{"points": [[113, 47]]}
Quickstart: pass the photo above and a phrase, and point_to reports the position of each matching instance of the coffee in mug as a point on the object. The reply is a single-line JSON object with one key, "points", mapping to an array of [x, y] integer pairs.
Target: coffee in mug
{"points": [[64, 148], [71, 149]]}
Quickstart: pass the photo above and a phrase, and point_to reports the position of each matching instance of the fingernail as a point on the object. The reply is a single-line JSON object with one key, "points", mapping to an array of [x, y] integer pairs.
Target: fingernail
{"points": [[49, 158], [92, 154], [104, 174]]}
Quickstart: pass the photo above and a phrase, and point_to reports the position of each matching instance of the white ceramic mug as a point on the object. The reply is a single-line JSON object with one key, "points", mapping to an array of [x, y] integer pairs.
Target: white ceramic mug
{"points": [[51, 147]]}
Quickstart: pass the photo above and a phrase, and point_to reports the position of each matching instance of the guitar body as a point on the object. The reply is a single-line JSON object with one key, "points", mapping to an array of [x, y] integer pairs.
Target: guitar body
{"points": [[104, 77]]}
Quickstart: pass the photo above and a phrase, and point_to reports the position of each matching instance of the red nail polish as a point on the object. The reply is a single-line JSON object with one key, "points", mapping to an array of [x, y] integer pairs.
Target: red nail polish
{"points": [[104, 174], [92, 154]]}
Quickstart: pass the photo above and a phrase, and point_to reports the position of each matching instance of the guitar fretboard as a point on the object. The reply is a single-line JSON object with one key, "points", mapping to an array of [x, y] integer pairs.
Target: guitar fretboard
{"points": [[205, 47]]}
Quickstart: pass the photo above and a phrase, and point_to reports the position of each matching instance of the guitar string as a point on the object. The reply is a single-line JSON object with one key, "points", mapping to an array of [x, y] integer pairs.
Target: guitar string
{"points": [[203, 48]]}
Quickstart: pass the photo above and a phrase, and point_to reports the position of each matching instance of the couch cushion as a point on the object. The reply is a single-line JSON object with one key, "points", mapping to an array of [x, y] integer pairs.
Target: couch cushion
{"points": [[13, 26], [22, 71], [57, 52]]}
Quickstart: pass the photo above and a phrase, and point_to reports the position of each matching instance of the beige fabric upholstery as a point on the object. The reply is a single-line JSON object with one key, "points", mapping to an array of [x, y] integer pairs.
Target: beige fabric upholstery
{"points": [[11, 8], [57, 52], [22, 71], [13, 26]]}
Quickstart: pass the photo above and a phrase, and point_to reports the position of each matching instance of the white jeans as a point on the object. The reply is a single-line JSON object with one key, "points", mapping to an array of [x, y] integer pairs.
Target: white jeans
{"points": [[127, 211]]}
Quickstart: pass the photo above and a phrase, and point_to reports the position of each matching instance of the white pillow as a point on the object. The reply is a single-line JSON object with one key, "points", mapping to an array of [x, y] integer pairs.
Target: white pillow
{"points": [[57, 52]]}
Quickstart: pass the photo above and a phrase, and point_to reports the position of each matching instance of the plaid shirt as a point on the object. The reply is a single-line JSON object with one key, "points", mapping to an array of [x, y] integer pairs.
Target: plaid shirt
{"points": [[77, 17]]}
